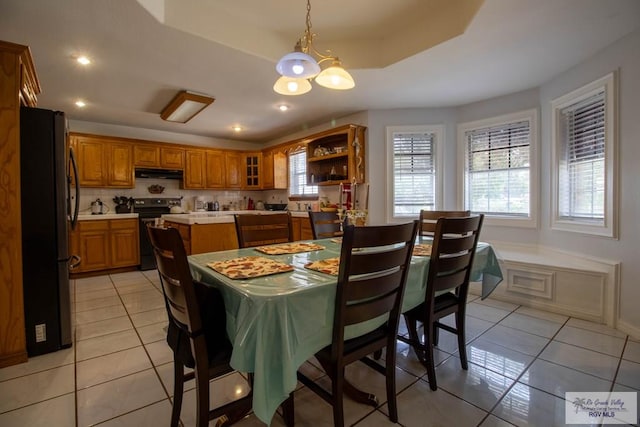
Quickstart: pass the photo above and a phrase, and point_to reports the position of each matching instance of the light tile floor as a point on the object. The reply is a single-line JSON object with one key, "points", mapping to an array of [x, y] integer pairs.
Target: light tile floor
{"points": [[119, 370]]}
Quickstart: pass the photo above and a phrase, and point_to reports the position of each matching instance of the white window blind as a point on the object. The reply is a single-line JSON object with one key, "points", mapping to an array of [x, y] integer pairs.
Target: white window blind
{"points": [[582, 160], [498, 169], [298, 176], [414, 173]]}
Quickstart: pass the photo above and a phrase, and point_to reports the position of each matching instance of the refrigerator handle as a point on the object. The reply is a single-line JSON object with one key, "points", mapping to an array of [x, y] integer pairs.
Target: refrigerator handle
{"points": [[74, 262], [74, 216]]}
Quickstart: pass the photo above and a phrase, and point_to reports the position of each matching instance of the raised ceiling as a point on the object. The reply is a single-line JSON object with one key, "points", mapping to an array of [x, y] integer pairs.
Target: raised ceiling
{"points": [[401, 53]]}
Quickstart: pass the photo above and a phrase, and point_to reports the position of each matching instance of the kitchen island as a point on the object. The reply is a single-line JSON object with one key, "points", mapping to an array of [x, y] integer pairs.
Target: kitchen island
{"points": [[203, 232]]}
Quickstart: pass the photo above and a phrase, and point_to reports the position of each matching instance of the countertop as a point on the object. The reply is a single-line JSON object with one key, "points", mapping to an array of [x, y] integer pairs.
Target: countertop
{"points": [[219, 217], [89, 217]]}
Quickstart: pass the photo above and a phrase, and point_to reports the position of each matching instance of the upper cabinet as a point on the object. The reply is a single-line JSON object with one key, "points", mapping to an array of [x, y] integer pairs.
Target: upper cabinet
{"points": [[158, 156], [103, 162], [252, 166], [336, 156], [274, 170], [233, 169], [204, 169]]}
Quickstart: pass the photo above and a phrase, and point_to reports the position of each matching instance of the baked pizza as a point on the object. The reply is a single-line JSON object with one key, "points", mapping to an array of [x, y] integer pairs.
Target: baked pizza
{"points": [[327, 266], [289, 248], [421, 249], [248, 267]]}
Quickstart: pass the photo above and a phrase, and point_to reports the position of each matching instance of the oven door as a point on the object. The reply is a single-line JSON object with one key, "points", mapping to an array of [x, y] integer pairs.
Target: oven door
{"points": [[147, 259]]}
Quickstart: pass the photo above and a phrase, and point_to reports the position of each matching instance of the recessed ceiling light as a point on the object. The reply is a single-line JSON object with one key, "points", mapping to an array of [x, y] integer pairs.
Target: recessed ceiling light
{"points": [[237, 128], [283, 107], [80, 103], [83, 60]]}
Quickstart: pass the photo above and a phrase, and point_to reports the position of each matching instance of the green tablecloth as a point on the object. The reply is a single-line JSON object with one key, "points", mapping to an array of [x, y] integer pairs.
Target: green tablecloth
{"points": [[277, 322]]}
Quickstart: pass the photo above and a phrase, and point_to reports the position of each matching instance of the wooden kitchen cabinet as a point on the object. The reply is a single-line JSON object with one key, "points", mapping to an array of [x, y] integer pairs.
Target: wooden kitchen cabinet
{"points": [[215, 169], [158, 156], [301, 228], [103, 162], [251, 172], [233, 169], [106, 244], [19, 86], [201, 238], [194, 177], [336, 156], [274, 170]]}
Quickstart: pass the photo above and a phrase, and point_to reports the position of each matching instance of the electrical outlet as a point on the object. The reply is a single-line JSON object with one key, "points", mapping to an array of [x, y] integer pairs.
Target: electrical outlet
{"points": [[41, 332]]}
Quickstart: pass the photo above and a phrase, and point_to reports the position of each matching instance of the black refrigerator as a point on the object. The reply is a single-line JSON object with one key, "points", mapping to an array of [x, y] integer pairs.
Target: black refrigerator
{"points": [[45, 168]]}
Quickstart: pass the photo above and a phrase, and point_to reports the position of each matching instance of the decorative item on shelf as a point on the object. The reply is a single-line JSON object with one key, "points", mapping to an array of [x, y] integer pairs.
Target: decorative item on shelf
{"points": [[298, 66], [155, 189]]}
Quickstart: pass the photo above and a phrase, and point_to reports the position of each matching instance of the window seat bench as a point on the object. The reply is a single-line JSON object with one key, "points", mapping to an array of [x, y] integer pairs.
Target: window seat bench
{"points": [[549, 279]]}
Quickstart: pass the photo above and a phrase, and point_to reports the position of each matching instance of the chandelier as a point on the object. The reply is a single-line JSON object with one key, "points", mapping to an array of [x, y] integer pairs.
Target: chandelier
{"points": [[297, 67]]}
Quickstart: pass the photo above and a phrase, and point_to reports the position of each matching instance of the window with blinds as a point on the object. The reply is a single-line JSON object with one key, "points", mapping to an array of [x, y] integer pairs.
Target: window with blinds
{"points": [[414, 172], [298, 176], [581, 186], [584, 178], [498, 169]]}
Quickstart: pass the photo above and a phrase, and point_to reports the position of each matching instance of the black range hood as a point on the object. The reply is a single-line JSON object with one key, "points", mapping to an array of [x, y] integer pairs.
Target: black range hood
{"points": [[158, 173]]}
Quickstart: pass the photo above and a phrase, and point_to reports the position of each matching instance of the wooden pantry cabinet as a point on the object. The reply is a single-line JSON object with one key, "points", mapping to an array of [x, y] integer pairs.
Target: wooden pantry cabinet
{"points": [[106, 244], [19, 87], [103, 162]]}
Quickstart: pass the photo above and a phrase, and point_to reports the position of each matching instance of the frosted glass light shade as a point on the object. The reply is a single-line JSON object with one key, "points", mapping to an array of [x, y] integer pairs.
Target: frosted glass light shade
{"points": [[335, 77], [290, 86], [297, 65], [184, 106]]}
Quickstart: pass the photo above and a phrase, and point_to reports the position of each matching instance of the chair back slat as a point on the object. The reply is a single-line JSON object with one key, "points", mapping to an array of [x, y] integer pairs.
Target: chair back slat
{"points": [[368, 287], [324, 224], [263, 229], [374, 263], [370, 309], [452, 254], [366, 261], [428, 219]]}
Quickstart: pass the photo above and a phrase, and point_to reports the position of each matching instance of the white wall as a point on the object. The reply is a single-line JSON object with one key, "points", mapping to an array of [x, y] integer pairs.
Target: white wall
{"points": [[623, 55]]}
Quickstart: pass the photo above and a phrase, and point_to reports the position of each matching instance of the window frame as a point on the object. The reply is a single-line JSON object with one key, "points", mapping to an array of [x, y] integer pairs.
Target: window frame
{"points": [[530, 115], [609, 228], [438, 146], [292, 196]]}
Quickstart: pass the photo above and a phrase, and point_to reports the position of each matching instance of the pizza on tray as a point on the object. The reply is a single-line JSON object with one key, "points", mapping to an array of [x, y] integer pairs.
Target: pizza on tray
{"points": [[248, 267], [422, 250], [327, 266], [289, 248]]}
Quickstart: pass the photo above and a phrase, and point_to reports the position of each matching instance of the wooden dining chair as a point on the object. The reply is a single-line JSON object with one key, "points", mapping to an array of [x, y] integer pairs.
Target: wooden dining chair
{"points": [[452, 253], [257, 229], [325, 224], [428, 219], [374, 262], [196, 332]]}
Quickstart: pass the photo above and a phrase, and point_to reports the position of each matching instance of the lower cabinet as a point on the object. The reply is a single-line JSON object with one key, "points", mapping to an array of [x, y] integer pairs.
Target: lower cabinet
{"points": [[301, 228], [106, 244], [201, 238]]}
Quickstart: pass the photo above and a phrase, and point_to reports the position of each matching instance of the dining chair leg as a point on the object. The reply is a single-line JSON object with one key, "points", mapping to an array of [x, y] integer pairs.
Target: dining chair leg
{"points": [[412, 327], [178, 389], [338, 398], [429, 360], [288, 411], [461, 338], [202, 400], [436, 334], [390, 373]]}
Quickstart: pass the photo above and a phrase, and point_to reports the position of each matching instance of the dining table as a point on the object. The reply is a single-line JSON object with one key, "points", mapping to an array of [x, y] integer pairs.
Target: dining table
{"points": [[278, 321]]}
